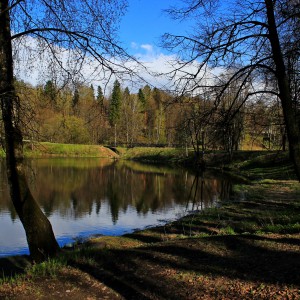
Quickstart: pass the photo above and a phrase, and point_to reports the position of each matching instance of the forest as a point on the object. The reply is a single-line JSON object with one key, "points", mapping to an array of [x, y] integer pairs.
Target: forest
{"points": [[149, 117]]}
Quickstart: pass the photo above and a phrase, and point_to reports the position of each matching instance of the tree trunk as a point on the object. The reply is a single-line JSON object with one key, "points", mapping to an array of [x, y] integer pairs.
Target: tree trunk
{"points": [[115, 134], [290, 116], [39, 233]]}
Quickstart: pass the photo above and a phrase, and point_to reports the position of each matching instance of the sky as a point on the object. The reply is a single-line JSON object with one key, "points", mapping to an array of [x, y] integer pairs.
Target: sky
{"points": [[140, 31], [145, 22]]}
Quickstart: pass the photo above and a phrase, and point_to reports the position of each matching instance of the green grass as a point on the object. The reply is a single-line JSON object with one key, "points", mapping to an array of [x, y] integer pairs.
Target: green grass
{"points": [[272, 207], [11, 279], [266, 165], [152, 154], [49, 267], [65, 150]]}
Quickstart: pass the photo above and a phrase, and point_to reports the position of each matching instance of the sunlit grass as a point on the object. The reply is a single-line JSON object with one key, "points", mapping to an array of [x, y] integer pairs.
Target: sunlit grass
{"points": [[66, 150], [11, 279], [49, 267], [152, 153]]}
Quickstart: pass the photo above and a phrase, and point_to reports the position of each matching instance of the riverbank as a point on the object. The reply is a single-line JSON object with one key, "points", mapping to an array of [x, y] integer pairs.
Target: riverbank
{"points": [[251, 165], [248, 248]]}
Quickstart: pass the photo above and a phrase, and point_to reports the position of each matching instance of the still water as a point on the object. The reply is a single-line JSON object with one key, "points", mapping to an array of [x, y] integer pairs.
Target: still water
{"points": [[84, 197]]}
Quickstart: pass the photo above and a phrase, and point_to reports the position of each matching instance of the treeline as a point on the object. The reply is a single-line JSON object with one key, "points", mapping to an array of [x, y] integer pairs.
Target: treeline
{"points": [[83, 115]]}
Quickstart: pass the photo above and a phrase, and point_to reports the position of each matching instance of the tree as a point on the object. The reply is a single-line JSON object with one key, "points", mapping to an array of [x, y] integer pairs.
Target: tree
{"points": [[54, 26], [34, 221], [50, 92], [100, 97], [254, 41], [114, 107], [75, 98], [159, 99], [131, 119], [92, 92], [142, 98]]}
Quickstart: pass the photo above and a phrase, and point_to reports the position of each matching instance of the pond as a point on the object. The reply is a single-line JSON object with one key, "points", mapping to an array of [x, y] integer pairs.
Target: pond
{"points": [[84, 197]]}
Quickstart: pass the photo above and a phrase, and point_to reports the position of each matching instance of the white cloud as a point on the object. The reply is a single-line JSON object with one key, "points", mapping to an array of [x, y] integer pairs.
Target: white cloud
{"points": [[134, 45], [147, 47], [37, 69]]}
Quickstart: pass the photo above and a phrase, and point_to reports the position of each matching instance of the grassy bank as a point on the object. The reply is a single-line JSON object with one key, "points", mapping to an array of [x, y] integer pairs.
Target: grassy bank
{"points": [[66, 150], [154, 154], [45, 149], [255, 165]]}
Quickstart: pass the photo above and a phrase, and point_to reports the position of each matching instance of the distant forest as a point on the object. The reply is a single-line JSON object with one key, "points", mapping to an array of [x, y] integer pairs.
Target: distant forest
{"points": [[151, 117]]}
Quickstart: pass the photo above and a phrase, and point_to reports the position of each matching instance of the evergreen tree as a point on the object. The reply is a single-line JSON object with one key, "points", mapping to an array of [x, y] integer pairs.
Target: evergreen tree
{"points": [[75, 99], [142, 98], [92, 92], [50, 91], [100, 96], [114, 108], [126, 92], [115, 104]]}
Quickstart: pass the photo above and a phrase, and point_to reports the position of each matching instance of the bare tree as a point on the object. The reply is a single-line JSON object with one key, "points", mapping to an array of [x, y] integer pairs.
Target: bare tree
{"points": [[255, 41], [85, 30]]}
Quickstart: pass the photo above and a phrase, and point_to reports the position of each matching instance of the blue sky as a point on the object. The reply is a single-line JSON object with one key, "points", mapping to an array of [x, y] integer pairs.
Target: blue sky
{"points": [[140, 30], [144, 23]]}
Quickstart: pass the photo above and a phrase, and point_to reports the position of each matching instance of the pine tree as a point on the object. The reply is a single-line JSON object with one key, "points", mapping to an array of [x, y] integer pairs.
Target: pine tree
{"points": [[142, 98], [92, 91], [50, 91], [114, 108], [75, 99], [100, 96], [115, 104]]}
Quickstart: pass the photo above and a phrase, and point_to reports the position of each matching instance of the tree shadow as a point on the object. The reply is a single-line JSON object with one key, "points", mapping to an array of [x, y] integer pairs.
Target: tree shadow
{"points": [[14, 265], [140, 273], [145, 238]]}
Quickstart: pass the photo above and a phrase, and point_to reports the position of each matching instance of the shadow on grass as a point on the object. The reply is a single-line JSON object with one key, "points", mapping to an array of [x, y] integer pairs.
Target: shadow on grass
{"points": [[144, 238], [14, 265], [140, 273]]}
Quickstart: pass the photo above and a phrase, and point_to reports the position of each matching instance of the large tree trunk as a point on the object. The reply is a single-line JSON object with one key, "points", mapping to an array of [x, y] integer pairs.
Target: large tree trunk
{"points": [[290, 115], [39, 233]]}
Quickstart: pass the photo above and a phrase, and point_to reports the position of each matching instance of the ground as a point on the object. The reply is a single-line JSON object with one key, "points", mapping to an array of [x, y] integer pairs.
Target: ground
{"points": [[216, 267]]}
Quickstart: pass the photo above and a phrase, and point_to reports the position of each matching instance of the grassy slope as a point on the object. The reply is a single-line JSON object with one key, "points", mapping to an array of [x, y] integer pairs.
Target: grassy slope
{"points": [[67, 150], [45, 149], [255, 165]]}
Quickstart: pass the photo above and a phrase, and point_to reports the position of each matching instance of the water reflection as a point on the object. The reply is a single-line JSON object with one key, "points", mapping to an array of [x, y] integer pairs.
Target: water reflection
{"points": [[85, 196]]}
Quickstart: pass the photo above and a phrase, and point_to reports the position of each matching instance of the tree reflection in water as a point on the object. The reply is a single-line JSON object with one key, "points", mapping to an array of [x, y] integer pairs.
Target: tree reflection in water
{"points": [[72, 187], [206, 191], [91, 196]]}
